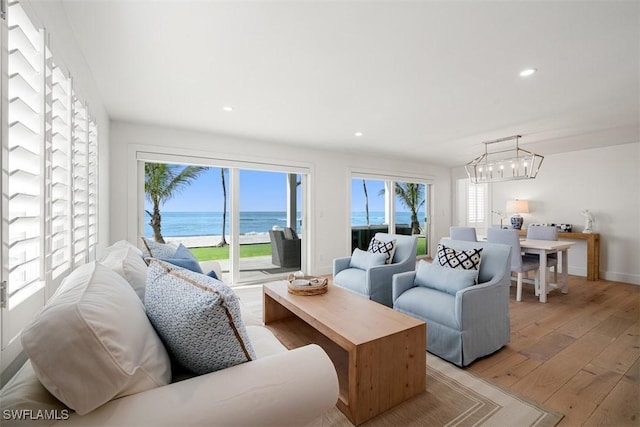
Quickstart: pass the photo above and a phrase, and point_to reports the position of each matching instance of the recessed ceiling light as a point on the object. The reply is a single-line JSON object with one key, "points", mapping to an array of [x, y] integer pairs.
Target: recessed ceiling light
{"points": [[227, 108], [527, 72], [358, 134]]}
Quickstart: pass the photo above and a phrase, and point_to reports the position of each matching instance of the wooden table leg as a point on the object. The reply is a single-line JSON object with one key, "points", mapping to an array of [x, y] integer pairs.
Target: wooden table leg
{"points": [[543, 275], [565, 273]]}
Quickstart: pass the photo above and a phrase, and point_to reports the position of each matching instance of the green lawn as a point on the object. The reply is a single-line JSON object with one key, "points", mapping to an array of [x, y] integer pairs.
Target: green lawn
{"points": [[210, 253], [258, 249]]}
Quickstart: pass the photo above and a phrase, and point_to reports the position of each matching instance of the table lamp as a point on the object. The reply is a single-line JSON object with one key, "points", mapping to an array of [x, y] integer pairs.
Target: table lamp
{"points": [[517, 207]]}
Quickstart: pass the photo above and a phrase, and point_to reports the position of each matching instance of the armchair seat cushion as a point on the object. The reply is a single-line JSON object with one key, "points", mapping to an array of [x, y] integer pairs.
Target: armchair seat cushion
{"points": [[431, 304], [353, 279]]}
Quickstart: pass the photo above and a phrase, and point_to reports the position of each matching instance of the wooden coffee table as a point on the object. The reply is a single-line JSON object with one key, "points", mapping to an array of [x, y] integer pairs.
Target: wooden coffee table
{"points": [[379, 354]]}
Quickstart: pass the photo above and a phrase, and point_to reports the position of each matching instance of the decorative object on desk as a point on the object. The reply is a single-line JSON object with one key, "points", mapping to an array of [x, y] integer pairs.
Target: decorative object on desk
{"points": [[306, 285], [501, 215], [588, 221], [565, 228], [504, 164], [517, 207]]}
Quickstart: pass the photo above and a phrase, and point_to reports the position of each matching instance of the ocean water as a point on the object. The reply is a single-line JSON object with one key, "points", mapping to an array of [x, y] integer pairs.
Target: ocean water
{"points": [[181, 224]]}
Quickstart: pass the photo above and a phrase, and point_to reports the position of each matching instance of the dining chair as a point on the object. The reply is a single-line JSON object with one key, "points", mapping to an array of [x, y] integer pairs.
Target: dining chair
{"points": [[519, 264], [463, 233], [546, 232]]}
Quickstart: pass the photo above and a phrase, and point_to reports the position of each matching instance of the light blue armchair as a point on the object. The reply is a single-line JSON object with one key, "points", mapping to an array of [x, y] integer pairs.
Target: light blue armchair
{"points": [[464, 322], [375, 282]]}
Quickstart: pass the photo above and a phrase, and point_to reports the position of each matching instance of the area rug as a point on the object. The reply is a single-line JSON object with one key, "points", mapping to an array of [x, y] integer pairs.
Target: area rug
{"points": [[453, 397]]}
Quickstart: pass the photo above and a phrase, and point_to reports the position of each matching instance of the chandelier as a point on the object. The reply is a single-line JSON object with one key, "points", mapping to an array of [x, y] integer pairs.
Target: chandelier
{"points": [[508, 162]]}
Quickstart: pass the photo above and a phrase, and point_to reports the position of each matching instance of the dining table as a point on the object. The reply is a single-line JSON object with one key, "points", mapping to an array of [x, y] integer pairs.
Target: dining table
{"points": [[543, 248]]}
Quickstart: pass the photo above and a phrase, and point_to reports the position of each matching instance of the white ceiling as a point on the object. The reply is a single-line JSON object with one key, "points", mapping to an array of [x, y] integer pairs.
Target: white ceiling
{"points": [[424, 80]]}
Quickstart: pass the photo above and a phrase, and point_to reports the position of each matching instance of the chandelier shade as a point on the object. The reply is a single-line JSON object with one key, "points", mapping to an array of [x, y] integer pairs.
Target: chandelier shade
{"points": [[506, 163]]}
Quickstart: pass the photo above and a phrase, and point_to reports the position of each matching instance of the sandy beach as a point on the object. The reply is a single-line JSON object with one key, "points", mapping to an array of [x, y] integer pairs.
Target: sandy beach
{"points": [[204, 241]]}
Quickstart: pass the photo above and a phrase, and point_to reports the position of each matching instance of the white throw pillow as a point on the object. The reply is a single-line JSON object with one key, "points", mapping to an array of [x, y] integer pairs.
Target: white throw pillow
{"points": [[93, 342], [126, 260]]}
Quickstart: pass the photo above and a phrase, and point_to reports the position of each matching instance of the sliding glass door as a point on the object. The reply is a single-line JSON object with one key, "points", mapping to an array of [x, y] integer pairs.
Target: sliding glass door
{"points": [[249, 221], [388, 205], [270, 222]]}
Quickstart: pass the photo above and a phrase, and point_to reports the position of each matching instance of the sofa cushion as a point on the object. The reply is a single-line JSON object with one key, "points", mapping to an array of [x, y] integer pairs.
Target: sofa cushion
{"points": [[197, 317], [466, 260], [126, 260], [154, 249], [381, 247], [353, 279], [445, 279], [365, 260], [92, 342], [23, 392], [429, 305], [185, 259]]}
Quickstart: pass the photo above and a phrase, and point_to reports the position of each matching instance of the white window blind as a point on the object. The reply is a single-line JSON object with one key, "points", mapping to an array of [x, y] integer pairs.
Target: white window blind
{"points": [[92, 171], [49, 176], [25, 151], [80, 134], [476, 205], [60, 186]]}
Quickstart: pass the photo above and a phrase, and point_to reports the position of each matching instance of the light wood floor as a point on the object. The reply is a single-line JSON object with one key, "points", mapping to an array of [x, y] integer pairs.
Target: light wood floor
{"points": [[579, 353]]}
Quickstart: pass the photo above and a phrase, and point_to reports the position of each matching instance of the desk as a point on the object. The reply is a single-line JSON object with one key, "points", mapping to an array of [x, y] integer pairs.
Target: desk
{"points": [[593, 250], [543, 248]]}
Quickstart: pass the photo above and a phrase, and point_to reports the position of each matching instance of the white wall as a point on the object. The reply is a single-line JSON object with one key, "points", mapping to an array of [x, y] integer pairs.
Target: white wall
{"points": [[51, 16], [329, 189], [604, 180]]}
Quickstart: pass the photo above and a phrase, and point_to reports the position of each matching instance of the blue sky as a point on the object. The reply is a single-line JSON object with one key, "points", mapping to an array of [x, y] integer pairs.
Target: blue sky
{"points": [[260, 191]]}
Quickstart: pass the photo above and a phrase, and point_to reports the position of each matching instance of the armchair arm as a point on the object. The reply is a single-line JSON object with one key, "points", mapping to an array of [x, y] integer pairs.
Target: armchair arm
{"points": [[475, 302], [340, 264], [380, 278], [289, 388], [401, 283]]}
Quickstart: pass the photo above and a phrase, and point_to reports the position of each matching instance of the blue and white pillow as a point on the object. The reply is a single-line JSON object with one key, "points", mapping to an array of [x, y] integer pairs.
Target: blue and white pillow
{"points": [[379, 247], [158, 250], [185, 259], [452, 258], [197, 317]]}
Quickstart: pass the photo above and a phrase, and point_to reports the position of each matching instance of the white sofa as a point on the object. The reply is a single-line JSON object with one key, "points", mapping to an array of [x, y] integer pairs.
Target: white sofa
{"points": [[281, 387]]}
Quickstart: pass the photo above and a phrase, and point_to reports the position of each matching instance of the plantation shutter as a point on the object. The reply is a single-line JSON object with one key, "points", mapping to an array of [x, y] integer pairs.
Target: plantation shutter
{"points": [[60, 186], [80, 182], [476, 205], [92, 177], [24, 180]]}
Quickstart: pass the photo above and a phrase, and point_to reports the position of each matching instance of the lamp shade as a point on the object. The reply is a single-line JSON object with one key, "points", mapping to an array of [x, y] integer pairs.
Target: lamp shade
{"points": [[518, 206]]}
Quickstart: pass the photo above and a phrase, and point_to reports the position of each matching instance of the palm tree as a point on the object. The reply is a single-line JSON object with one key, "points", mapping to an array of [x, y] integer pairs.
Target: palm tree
{"points": [[223, 240], [366, 201], [161, 183], [412, 196]]}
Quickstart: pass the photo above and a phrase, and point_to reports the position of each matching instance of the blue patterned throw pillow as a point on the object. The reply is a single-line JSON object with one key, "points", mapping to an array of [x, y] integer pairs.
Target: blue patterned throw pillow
{"points": [[185, 259], [158, 250], [379, 247], [197, 317], [466, 260]]}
